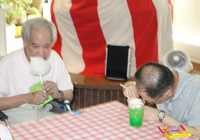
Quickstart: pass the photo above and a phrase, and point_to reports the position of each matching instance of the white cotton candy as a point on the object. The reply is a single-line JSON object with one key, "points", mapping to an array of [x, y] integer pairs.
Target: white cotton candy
{"points": [[39, 66]]}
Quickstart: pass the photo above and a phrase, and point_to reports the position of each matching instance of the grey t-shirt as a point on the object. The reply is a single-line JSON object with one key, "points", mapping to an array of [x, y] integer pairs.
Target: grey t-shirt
{"points": [[185, 106]]}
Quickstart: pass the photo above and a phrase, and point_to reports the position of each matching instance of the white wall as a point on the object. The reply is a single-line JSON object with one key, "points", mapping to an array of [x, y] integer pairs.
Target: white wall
{"points": [[186, 27], [2, 32]]}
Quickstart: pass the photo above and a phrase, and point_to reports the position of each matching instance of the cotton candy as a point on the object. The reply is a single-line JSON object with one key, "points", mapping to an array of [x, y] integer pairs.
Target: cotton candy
{"points": [[39, 66]]}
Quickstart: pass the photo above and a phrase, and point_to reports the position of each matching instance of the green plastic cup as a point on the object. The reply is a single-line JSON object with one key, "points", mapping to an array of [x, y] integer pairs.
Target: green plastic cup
{"points": [[136, 112]]}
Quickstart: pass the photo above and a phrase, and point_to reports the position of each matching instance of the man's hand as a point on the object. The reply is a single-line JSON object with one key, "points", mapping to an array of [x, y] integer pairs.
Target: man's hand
{"points": [[51, 88], [37, 97], [131, 91]]}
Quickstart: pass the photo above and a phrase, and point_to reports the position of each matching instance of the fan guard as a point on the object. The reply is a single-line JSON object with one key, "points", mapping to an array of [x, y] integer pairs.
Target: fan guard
{"points": [[178, 60]]}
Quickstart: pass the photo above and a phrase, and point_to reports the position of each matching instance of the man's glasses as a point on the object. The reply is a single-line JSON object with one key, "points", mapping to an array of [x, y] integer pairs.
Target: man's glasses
{"points": [[150, 103]]}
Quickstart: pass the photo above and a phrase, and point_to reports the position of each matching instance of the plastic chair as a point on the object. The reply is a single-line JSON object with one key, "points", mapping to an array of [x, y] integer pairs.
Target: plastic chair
{"points": [[4, 118], [5, 133]]}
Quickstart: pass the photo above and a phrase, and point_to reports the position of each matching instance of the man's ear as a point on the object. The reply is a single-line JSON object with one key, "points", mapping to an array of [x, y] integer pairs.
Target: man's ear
{"points": [[168, 93], [24, 42]]}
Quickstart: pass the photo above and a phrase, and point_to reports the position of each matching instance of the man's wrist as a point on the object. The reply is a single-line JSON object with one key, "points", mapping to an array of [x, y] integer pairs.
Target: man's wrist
{"points": [[61, 94], [161, 115]]}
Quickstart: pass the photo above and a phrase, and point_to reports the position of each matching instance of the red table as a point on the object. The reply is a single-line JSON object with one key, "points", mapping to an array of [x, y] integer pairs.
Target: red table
{"points": [[104, 121]]}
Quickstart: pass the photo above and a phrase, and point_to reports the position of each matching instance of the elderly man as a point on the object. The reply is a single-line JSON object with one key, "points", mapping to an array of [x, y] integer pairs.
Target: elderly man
{"points": [[176, 95], [16, 99]]}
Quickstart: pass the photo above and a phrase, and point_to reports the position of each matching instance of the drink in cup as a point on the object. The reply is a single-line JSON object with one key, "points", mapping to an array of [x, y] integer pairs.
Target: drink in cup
{"points": [[136, 111]]}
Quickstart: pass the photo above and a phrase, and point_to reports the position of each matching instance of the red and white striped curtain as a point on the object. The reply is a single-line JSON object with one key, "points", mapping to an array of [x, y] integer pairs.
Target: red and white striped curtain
{"points": [[86, 27]]}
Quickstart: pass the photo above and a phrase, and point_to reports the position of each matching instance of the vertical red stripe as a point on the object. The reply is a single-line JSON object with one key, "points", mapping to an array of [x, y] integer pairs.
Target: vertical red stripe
{"points": [[171, 6], [85, 18], [144, 20], [58, 44]]}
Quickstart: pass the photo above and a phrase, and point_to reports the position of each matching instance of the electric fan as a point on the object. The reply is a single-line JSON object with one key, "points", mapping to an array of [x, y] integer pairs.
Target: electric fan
{"points": [[178, 60]]}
